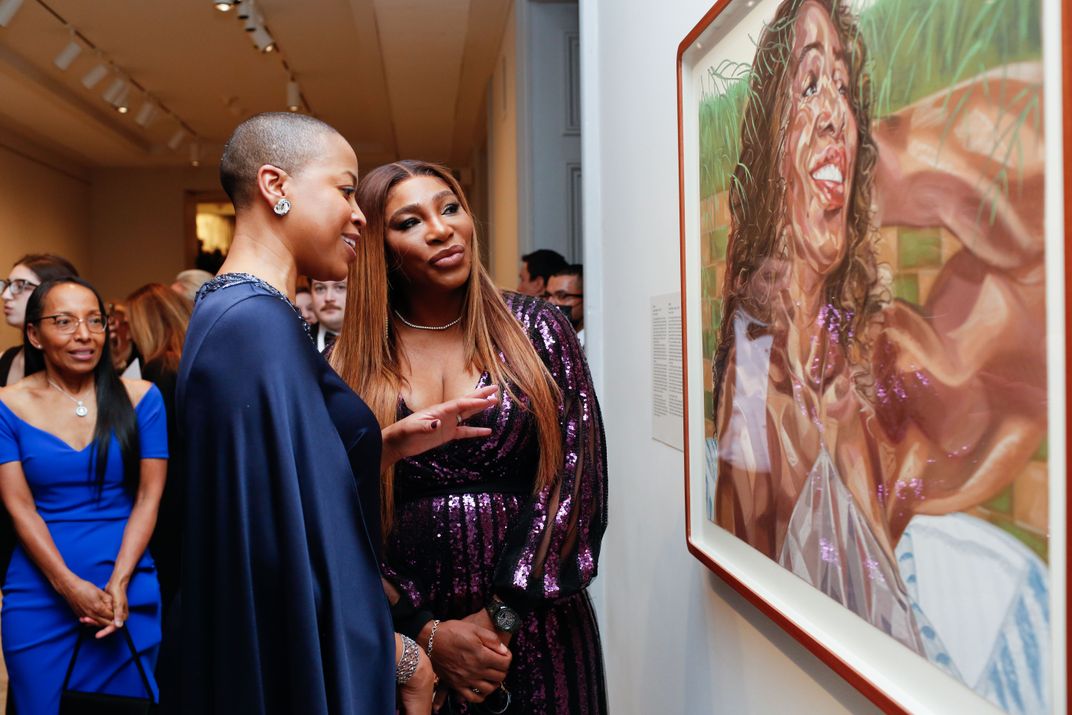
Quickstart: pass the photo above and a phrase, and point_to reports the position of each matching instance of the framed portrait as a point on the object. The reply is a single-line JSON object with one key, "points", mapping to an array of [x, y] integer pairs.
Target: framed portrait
{"points": [[875, 289]]}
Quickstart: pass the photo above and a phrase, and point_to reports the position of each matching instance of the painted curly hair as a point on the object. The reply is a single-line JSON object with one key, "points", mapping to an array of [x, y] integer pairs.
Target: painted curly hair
{"points": [[757, 191]]}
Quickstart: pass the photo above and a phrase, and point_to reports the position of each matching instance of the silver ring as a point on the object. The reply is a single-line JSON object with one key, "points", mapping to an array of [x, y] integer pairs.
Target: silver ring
{"points": [[459, 419], [475, 690]]}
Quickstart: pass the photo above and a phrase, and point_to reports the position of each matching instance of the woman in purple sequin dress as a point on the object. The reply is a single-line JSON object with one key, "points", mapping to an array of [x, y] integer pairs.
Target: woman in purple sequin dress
{"points": [[481, 531]]}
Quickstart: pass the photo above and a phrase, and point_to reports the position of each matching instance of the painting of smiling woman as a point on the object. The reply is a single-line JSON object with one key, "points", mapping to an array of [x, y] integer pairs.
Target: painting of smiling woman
{"points": [[876, 309]]}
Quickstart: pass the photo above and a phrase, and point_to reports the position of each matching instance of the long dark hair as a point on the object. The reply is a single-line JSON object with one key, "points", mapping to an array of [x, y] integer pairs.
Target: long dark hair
{"points": [[115, 414], [757, 193]]}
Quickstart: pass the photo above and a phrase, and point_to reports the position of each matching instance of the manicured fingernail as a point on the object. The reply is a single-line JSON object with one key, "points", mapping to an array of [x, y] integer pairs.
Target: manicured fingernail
{"points": [[435, 424]]}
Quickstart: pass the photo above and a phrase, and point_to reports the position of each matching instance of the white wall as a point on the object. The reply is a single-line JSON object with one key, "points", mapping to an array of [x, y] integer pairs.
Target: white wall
{"points": [[139, 225], [44, 208], [676, 639], [503, 161]]}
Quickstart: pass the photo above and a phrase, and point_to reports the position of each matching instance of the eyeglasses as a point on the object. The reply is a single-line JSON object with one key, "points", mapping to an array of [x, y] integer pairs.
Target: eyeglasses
{"points": [[16, 286], [67, 324], [563, 295]]}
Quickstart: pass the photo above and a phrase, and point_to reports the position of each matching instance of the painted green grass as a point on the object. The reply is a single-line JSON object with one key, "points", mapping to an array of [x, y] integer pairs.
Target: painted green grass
{"points": [[915, 48]]}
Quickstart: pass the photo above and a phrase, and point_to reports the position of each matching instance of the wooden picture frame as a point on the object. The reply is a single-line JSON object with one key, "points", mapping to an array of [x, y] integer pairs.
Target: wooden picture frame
{"points": [[894, 675]]}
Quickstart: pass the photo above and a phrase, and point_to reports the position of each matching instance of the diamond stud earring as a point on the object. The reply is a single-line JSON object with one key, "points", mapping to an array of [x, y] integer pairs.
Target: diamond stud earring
{"points": [[282, 207]]}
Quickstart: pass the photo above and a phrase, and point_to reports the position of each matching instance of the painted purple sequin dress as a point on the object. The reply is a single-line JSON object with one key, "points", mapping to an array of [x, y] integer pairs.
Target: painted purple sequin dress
{"points": [[468, 525]]}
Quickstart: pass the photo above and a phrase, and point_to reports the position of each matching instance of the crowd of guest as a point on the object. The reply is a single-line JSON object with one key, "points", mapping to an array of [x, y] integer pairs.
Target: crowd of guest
{"points": [[347, 474]]}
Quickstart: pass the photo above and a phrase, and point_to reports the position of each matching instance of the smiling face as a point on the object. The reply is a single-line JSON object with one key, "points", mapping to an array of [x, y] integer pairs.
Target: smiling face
{"points": [[76, 352], [324, 223], [821, 144], [15, 305], [429, 234]]}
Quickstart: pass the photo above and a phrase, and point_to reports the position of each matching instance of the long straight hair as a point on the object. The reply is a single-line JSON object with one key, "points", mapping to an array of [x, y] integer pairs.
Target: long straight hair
{"points": [[369, 356], [158, 319], [115, 414]]}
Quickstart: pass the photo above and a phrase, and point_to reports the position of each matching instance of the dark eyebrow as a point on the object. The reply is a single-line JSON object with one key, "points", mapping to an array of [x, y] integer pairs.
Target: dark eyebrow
{"points": [[817, 46], [414, 208]]}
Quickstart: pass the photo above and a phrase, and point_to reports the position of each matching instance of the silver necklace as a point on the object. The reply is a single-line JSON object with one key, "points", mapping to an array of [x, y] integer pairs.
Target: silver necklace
{"points": [[451, 324], [81, 410]]}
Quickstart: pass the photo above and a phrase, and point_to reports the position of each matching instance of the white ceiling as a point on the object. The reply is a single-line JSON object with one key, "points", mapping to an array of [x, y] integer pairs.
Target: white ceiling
{"points": [[399, 78]]}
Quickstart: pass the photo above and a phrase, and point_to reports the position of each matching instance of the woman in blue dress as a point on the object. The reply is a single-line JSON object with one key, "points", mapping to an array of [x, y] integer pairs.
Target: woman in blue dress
{"points": [[83, 458]]}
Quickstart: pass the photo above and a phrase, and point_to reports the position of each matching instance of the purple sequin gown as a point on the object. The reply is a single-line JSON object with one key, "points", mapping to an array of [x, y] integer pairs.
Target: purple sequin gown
{"points": [[467, 526]]}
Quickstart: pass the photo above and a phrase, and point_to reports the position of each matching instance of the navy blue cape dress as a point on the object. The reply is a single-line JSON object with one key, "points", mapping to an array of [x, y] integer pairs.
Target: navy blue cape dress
{"points": [[282, 607]]}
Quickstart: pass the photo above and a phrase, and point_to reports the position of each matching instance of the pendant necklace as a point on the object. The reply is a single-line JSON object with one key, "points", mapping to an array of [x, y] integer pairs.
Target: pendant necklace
{"points": [[81, 410], [451, 324]]}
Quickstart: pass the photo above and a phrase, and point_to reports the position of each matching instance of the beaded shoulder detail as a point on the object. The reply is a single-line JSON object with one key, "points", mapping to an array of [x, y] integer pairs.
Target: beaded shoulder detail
{"points": [[227, 280]]}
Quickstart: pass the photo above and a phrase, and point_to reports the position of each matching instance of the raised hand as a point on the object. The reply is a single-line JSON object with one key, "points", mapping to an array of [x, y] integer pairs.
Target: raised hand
{"points": [[436, 425]]}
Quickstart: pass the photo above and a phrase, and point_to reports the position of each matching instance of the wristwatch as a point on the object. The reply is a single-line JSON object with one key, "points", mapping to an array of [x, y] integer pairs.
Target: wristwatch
{"points": [[503, 617]]}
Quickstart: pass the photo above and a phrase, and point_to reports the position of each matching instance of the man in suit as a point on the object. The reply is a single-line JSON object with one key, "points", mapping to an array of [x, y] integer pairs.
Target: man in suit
{"points": [[329, 305]]}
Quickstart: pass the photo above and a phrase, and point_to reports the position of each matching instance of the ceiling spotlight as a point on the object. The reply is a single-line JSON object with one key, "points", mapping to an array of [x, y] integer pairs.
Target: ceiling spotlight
{"points": [[253, 22], [95, 75], [68, 55], [176, 139], [8, 8], [293, 96], [195, 154], [223, 6], [263, 41], [145, 114], [245, 9], [114, 91]]}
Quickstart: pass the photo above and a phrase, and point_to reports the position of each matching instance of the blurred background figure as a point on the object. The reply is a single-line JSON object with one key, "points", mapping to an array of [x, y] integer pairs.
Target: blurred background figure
{"points": [[566, 290], [329, 306], [188, 282], [28, 272], [536, 268], [125, 355], [158, 317], [303, 298]]}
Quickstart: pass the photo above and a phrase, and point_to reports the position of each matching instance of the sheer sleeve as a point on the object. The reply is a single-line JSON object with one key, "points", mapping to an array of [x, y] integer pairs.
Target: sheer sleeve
{"points": [[553, 550]]}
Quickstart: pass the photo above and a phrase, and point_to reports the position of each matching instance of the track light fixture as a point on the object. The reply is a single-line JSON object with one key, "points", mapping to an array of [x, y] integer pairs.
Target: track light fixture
{"points": [[176, 139], [293, 96], [122, 102], [146, 113], [246, 9], [114, 91], [223, 6], [195, 154], [95, 75], [8, 8], [262, 40], [68, 54]]}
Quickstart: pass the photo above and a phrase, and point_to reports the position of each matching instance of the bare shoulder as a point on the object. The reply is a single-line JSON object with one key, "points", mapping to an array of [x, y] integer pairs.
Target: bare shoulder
{"points": [[136, 389], [23, 392]]}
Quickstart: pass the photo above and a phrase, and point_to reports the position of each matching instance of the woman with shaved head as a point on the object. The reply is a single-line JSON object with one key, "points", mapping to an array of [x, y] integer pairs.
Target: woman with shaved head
{"points": [[282, 604]]}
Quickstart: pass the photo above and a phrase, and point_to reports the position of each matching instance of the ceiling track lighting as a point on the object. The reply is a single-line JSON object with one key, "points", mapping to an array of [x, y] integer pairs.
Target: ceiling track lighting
{"points": [[114, 91], [68, 54], [293, 96], [146, 113], [195, 154], [95, 75], [246, 9], [176, 139], [226, 6], [263, 41], [8, 8]]}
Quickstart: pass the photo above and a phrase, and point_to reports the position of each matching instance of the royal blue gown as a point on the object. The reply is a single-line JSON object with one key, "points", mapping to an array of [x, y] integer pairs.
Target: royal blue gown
{"points": [[281, 605], [38, 626]]}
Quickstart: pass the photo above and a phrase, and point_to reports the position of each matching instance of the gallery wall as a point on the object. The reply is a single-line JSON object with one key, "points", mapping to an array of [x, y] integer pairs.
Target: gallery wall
{"points": [[138, 225], [677, 640], [44, 207]]}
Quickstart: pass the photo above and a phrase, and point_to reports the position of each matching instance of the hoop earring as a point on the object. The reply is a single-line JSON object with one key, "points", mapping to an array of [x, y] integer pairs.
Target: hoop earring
{"points": [[282, 207]]}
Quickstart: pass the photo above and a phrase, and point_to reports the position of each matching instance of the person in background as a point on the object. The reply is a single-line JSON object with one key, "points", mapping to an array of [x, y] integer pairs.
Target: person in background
{"points": [[187, 282], [158, 317], [566, 290], [83, 458], [490, 544], [125, 354], [28, 272], [536, 268], [329, 306], [303, 298]]}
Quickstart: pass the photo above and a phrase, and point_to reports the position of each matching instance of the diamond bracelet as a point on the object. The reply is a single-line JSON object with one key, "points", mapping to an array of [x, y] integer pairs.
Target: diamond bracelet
{"points": [[407, 664]]}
